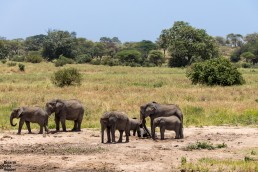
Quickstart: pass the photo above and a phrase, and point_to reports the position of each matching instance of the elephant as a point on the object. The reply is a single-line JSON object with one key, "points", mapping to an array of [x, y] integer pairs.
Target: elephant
{"points": [[66, 110], [112, 121], [154, 110], [169, 123], [135, 126], [30, 114]]}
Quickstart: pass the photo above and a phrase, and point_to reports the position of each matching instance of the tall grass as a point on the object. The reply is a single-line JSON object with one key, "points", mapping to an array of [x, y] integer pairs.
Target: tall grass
{"points": [[105, 88]]}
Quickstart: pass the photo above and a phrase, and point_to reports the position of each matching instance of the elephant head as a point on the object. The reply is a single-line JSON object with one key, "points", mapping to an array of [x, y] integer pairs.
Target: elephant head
{"points": [[55, 105], [145, 111], [16, 113], [158, 122]]}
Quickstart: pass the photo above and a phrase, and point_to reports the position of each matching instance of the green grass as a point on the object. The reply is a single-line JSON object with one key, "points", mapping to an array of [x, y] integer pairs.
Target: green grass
{"points": [[106, 88], [208, 164], [204, 145]]}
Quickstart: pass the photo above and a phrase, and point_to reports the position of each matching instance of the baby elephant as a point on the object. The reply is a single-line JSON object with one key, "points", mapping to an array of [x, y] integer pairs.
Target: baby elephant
{"points": [[112, 121], [30, 114], [169, 123], [135, 126]]}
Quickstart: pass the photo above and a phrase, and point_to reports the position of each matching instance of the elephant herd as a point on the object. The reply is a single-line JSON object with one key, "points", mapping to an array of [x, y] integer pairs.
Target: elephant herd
{"points": [[165, 116]]}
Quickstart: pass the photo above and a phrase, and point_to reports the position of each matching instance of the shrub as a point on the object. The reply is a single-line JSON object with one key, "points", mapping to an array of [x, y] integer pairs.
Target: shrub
{"points": [[66, 77], [246, 65], [85, 58], [95, 61], [218, 71], [34, 57], [17, 58], [4, 61], [11, 64], [62, 60], [21, 67]]}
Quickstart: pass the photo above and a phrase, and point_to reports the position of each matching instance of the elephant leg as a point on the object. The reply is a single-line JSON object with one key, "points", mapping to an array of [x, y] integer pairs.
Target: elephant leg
{"points": [[134, 131], [181, 131], [75, 125], [20, 126], [162, 133], [28, 126], [121, 136], [108, 135], [57, 121], [113, 130], [41, 129], [79, 125], [63, 124], [152, 130]]}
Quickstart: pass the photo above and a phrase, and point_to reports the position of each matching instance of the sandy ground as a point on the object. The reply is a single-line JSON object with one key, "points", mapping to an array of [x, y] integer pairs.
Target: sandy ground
{"points": [[82, 151]]}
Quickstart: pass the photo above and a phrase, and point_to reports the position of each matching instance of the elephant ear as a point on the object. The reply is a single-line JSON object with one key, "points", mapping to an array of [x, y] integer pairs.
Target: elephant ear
{"points": [[19, 112], [59, 106]]}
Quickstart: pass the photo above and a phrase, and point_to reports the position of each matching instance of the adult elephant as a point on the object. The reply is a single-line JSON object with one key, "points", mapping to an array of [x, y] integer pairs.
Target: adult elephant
{"points": [[28, 115], [66, 110], [154, 110]]}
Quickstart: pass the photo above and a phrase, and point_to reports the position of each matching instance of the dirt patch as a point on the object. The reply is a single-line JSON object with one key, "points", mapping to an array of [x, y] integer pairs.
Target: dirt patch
{"points": [[72, 151]]}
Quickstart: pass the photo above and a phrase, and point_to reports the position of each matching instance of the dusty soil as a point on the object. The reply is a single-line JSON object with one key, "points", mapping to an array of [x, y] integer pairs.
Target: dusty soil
{"points": [[82, 151]]}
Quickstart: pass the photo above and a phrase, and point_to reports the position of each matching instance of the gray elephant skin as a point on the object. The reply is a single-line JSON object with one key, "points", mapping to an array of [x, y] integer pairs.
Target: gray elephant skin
{"points": [[112, 121], [66, 110], [30, 114], [169, 123], [135, 126], [155, 110]]}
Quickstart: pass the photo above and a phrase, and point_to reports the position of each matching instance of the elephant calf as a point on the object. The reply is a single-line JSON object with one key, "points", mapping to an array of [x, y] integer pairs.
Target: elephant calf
{"points": [[30, 114], [112, 121], [169, 123], [135, 126]]}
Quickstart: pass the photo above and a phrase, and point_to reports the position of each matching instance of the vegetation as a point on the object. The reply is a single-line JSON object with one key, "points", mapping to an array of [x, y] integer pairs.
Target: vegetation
{"points": [[105, 88], [66, 77], [217, 71], [21, 67], [204, 145]]}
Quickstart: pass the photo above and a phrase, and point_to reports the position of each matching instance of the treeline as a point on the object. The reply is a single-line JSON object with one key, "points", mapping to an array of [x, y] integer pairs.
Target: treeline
{"points": [[178, 46]]}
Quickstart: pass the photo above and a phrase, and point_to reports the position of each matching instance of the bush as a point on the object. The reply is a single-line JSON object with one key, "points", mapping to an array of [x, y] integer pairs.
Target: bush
{"points": [[62, 60], [110, 61], [4, 61], [34, 57], [66, 77], [17, 58], [95, 61], [85, 58], [21, 67], [11, 64], [218, 71], [246, 65]]}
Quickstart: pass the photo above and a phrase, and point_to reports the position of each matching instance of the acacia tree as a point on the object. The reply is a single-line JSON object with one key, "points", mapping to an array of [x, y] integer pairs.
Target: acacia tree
{"points": [[236, 40], [188, 44]]}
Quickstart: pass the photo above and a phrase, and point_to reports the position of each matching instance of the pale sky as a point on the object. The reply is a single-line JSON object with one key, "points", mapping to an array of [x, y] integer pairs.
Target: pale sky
{"points": [[129, 20]]}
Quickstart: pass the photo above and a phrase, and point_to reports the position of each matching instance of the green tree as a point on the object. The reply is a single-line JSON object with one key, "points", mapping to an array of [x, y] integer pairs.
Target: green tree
{"points": [[156, 57], [145, 46], [34, 43], [188, 44], [235, 40], [3, 49], [248, 56], [129, 56], [163, 40], [59, 43]]}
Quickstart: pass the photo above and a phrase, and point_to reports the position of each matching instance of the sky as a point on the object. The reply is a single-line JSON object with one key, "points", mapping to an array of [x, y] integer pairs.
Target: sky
{"points": [[129, 20]]}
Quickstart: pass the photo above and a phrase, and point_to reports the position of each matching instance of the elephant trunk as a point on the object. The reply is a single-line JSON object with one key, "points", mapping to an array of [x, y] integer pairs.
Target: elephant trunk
{"points": [[143, 124], [11, 121]]}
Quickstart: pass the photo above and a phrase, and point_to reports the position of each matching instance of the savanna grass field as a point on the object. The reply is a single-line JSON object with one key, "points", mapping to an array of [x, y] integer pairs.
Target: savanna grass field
{"points": [[225, 117], [105, 88]]}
